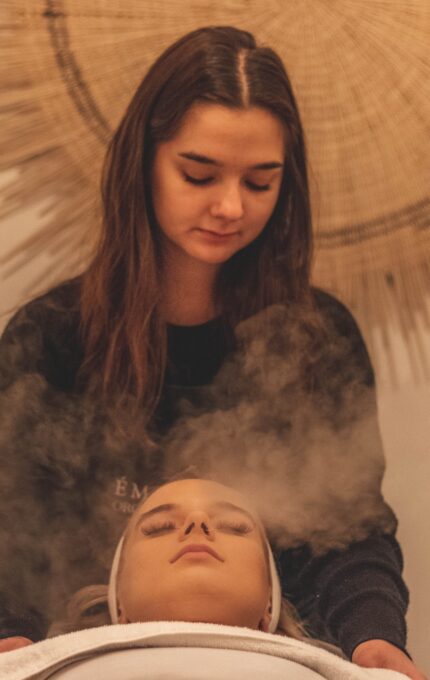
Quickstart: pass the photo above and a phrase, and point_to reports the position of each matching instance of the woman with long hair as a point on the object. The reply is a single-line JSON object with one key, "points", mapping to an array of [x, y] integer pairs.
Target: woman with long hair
{"points": [[206, 223]]}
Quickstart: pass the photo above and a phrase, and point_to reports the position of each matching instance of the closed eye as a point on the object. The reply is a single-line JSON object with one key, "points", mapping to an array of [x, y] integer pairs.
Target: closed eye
{"points": [[157, 529], [206, 180], [235, 527]]}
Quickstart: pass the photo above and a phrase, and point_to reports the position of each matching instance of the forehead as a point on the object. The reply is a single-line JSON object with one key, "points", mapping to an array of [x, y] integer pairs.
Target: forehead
{"points": [[231, 136], [195, 494]]}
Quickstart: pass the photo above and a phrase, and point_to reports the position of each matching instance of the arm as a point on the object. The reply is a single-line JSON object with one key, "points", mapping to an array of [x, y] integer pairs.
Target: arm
{"points": [[26, 365], [361, 595], [352, 595], [355, 599], [19, 625], [356, 594]]}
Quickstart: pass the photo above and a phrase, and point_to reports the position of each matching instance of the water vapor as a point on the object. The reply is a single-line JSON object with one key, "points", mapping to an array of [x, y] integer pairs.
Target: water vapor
{"points": [[293, 424], [289, 421]]}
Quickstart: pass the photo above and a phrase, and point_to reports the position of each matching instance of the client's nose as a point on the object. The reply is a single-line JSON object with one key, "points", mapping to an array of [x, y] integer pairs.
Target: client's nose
{"points": [[197, 522]]}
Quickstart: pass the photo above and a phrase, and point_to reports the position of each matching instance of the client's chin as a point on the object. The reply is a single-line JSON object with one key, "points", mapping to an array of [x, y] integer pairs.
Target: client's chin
{"points": [[199, 608]]}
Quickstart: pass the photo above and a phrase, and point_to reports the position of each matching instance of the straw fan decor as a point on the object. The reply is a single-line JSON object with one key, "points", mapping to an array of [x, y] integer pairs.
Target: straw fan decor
{"points": [[361, 73]]}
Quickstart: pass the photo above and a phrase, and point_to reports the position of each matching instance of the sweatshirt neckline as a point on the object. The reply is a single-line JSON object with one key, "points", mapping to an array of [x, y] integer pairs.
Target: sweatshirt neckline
{"points": [[194, 327]]}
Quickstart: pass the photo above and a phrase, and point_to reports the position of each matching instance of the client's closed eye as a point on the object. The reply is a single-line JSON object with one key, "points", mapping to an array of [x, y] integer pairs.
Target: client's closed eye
{"points": [[158, 528], [235, 527]]}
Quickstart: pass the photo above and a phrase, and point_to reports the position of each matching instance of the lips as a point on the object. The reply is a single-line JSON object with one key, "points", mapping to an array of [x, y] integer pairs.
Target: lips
{"points": [[195, 547], [218, 234]]}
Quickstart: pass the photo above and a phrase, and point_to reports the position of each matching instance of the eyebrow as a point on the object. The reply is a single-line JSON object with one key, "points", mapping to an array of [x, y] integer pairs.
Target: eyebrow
{"points": [[167, 507], [270, 165]]}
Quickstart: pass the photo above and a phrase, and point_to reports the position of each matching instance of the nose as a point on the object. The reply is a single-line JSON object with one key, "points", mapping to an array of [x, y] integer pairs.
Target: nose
{"points": [[197, 523], [229, 204]]}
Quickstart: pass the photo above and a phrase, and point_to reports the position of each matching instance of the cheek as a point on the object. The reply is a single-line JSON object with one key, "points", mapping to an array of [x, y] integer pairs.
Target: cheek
{"points": [[175, 205], [250, 560], [259, 213], [269, 207], [139, 585], [250, 579], [163, 188], [142, 567]]}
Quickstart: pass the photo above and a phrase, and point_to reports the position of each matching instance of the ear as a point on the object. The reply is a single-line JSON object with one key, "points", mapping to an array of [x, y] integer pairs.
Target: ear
{"points": [[122, 617], [264, 622]]}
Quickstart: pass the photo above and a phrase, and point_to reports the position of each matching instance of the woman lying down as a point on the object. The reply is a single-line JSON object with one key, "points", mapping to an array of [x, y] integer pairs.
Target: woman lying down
{"points": [[195, 581]]}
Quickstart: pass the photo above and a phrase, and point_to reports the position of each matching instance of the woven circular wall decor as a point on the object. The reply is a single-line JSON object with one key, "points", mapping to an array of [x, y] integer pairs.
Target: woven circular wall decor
{"points": [[361, 74]]}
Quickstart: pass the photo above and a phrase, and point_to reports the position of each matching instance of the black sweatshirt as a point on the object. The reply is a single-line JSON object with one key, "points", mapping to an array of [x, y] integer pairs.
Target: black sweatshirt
{"points": [[68, 482]]}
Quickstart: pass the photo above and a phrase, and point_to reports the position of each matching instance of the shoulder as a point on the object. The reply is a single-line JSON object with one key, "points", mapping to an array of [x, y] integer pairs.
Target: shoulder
{"points": [[337, 316], [60, 302], [348, 345], [336, 311], [42, 335]]}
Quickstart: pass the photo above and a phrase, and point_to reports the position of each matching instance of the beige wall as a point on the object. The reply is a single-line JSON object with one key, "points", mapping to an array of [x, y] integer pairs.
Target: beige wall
{"points": [[405, 424]]}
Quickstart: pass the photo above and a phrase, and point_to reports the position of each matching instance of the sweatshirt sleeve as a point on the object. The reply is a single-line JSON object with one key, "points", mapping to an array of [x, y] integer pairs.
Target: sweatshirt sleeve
{"points": [[42, 339], [22, 352], [349, 596], [357, 593], [30, 370], [361, 594]]}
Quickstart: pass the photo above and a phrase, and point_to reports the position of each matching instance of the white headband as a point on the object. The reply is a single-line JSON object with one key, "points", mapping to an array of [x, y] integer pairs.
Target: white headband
{"points": [[274, 579]]}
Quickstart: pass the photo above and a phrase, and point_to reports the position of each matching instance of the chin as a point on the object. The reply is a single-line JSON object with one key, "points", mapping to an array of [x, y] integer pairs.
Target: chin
{"points": [[212, 258]]}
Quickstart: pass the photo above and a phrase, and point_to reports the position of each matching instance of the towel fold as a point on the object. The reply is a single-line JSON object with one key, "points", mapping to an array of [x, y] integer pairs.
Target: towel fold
{"points": [[43, 659]]}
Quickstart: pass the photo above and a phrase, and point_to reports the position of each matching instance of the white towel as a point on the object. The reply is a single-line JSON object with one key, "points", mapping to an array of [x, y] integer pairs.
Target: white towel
{"points": [[41, 660]]}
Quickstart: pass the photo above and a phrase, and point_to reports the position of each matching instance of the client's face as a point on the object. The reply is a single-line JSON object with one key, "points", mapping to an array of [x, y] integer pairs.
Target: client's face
{"points": [[194, 552]]}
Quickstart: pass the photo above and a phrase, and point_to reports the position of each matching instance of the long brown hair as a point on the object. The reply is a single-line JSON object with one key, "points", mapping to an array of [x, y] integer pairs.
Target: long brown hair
{"points": [[124, 334]]}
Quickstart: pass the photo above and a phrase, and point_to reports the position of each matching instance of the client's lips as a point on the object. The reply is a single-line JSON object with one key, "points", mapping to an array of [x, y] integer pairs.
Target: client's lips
{"points": [[195, 547]]}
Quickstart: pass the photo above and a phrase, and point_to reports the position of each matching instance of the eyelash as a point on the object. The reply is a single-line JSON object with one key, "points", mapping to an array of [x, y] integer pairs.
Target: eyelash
{"points": [[203, 182], [155, 529]]}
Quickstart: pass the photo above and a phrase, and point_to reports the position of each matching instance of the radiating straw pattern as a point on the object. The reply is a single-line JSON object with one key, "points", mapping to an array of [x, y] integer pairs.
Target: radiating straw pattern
{"points": [[361, 73]]}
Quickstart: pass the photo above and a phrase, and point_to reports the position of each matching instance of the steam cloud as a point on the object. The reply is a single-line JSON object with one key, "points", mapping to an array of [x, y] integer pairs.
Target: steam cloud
{"points": [[288, 421], [291, 423]]}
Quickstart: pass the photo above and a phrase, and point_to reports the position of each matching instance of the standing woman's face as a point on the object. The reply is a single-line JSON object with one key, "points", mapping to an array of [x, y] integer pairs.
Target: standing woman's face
{"points": [[210, 199]]}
